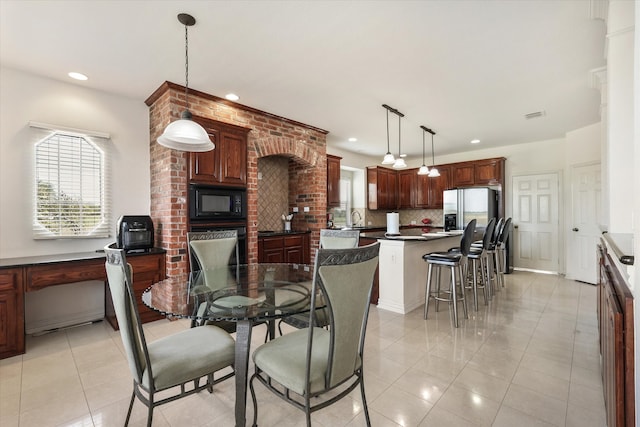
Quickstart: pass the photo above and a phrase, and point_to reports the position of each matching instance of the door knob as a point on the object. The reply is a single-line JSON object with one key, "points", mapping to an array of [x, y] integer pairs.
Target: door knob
{"points": [[575, 229]]}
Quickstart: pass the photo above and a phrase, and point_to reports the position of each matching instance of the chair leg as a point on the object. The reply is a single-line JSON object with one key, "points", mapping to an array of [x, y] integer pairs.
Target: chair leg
{"points": [[428, 294], [307, 409], [438, 269], [485, 276], [255, 402], [133, 397], [454, 297], [364, 401], [474, 265], [463, 297], [150, 414]]}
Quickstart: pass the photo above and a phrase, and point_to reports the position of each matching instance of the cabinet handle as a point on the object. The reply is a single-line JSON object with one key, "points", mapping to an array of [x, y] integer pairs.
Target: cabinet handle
{"points": [[575, 229]]}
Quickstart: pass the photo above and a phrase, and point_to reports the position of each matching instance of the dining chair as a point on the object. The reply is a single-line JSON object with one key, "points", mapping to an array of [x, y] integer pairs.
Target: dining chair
{"points": [[329, 239], [311, 362], [211, 252], [339, 239], [174, 361]]}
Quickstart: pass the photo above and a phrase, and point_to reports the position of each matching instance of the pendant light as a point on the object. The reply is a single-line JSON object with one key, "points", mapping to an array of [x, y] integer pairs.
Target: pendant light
{"points": [[433, 173], [388, 158], [399, 163], [424, 170], [185, 134]]}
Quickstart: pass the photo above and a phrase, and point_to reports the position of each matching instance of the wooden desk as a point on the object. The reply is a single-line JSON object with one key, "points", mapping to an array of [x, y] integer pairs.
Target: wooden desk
{"points": [[29, 274]]}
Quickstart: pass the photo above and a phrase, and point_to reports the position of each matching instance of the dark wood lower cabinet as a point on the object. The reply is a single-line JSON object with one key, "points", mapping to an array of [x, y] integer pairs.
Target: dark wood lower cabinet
{"points": [[285, 248], [11, 312], [147, 270], [615, 324], [31, 274]]}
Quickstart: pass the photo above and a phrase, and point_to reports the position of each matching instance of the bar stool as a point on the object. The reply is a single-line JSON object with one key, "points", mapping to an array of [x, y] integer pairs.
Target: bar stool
{"points": [[501, 252], [456, 261], [481, 254], [490, 256]]}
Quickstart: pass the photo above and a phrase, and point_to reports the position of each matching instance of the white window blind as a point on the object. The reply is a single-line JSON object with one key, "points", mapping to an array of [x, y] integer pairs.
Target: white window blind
{"points": [[72, 192]]}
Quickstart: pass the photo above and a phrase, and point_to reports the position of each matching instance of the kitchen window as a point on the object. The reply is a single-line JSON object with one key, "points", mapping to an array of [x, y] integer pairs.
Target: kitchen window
{"points": [[71, 186]]}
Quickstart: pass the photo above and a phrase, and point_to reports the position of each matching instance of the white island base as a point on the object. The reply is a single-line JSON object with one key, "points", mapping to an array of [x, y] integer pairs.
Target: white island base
{"points": [[403, 272]]}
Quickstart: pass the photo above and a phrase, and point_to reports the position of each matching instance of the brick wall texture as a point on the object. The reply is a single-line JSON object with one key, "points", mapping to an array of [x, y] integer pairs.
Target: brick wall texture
{"points": [[270, 135]]}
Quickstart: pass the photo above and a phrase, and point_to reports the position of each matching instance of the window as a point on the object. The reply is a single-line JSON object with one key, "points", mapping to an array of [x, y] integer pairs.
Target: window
{"points": [[71, 191]]}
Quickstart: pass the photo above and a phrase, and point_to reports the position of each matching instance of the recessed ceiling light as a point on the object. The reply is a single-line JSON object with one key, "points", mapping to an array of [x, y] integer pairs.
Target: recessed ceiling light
{"points": [[232, 97], [475, 141], [78, 76], [353, 139]]}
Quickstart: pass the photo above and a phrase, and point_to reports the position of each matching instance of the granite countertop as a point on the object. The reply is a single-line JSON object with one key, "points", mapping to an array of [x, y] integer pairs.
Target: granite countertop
{"points": [[76, 256], [414, 234], [622, 246]]}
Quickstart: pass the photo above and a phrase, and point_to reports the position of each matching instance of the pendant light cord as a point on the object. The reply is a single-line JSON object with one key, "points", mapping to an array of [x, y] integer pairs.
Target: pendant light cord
{"points": [[186, 65], [433, 156], [388, 151], [423, 147], [399, 135]]}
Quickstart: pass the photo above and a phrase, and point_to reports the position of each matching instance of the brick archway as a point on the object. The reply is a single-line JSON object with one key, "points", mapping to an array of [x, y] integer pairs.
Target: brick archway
{"points": [[307, 182], [288, 147]]}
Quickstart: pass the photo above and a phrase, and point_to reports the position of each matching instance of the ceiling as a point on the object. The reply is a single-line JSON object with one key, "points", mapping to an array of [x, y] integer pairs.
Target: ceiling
{"points": [[467, 69]]}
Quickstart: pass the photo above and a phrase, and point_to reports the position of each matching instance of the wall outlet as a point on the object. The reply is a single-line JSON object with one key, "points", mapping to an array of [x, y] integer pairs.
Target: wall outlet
{"points": [[306, 208], [295, 209]]}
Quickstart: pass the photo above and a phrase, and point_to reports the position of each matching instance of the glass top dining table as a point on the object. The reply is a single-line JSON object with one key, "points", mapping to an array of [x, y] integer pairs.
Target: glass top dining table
{"points": [[244, 294]]}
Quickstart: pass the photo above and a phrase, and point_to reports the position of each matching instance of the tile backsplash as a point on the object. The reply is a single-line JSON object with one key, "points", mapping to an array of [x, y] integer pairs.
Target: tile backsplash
{"points": [[273, 192], [379, 218]]}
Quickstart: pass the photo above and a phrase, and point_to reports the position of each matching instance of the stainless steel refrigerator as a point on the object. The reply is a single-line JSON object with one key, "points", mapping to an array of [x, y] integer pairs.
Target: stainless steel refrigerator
{"points": [[464, 204]]}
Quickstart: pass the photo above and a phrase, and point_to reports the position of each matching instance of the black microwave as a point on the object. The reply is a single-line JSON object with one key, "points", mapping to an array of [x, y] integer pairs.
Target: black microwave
{"points": [[207, 202]]}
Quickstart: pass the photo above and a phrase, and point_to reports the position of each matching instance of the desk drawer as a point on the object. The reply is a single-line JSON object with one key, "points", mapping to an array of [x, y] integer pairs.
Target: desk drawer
{"points": [[147, 264], [40, 276], [293, 241]]}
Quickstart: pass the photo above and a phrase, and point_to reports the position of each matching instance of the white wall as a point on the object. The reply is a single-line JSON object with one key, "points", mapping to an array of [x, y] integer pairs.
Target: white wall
{"points": [[25, 97]]}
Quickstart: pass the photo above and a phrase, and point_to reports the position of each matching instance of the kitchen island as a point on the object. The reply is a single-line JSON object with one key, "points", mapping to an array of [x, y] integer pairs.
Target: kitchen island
{"points": [[402, 272]]}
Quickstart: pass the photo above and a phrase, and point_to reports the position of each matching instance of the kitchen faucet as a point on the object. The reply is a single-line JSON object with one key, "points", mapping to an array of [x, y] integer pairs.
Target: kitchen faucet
{"points": [[354, 223]]}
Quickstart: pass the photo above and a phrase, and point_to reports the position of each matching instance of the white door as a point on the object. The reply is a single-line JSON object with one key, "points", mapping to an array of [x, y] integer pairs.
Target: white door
{"points": [[536, 222], [585, 214]]}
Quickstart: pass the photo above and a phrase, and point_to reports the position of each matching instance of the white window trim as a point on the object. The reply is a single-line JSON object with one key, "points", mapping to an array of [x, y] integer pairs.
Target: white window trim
{"points": [[100, 140]]}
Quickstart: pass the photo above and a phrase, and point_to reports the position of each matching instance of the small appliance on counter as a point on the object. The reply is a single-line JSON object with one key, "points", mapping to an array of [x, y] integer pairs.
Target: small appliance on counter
{"points": [[135, 233]]}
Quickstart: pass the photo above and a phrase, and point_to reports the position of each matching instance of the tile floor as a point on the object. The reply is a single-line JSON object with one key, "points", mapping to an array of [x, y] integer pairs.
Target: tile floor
{"points": [[530, 358]]}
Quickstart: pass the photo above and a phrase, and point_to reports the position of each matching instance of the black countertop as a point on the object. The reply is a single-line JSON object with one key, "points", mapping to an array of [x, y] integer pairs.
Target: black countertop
{"points": [[413, 234], [622, 246], [271, 233]]}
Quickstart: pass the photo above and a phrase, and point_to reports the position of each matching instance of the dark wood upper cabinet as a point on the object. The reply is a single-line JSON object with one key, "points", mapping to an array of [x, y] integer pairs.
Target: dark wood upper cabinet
{"points": [[489, 172], [391, 189], [437, 185], [478, 172], [407, 181], [463, 174], [333, 181], [226, 164], [232, 161], [382, 188]]}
